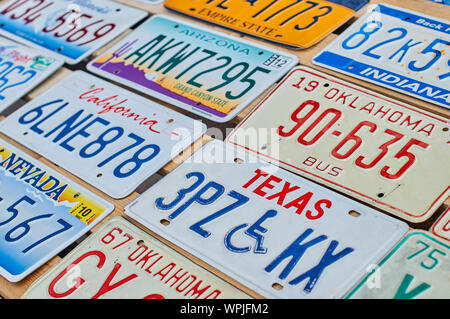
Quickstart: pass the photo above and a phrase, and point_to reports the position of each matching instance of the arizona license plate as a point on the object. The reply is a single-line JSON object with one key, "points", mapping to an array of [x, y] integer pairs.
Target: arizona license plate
{"points": [[418, 267], [42, 213], [208, 73], [396, 48], [121, 261], [273, 231], [21, 69], [387, 154], [70, 29], [298, 24], [109, 137], [441, 227]]}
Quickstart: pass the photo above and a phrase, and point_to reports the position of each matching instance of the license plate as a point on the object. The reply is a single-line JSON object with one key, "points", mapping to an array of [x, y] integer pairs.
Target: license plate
{"points": [[106, 135], [205, 72], [42, 213], [131, 264], [396, 48], [298, 24], [389, 155], [441, 227], [276, 233], [419, 267], [21, 69], [70, 29]]}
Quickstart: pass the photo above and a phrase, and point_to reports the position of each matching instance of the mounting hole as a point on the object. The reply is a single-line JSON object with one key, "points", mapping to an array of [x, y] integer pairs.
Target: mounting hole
{"points": [[170, 121], [326, 85], [2, 150], [76, 195], [407, 19], [99, 175], [354, 213], [165, 222], [264, 147], [176, 27], [25, 133], [260, 53], [350, 67], [238, 160], [192, 9], [277, 286], [92, 86], [116, 71], [118, 9], [380, 195], [59, 49], [445, 129], [140, 242]]}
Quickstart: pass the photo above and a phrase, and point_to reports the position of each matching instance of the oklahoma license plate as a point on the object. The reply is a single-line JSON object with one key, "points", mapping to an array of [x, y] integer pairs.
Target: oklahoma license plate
{"points": [[402, 50], [69, 29], [441, 227], [106, 135], [121, 261], [390, 155], [21, 69], [298, 24], [418, 267], [272, 231], [205, 72], [42, 213]]}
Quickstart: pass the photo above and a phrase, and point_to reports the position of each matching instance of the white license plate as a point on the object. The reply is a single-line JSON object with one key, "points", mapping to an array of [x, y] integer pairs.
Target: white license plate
{"points": [[21, 69], [205, 72], [417, 268], [402, 50], [42, 212], [276, 233], [387, 154], [441, 227], [69, 29], [121, 261], [109, 137]]}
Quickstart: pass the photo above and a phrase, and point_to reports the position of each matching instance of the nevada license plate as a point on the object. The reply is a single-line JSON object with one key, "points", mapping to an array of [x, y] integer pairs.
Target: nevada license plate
{"points": [[42, 213], [441, 227], [418, 267], [208, 73], [396, 48], [273, 231], [387, 154], [21, 69], [68, 28], [109, 137], [298, 24], [121, 261]]}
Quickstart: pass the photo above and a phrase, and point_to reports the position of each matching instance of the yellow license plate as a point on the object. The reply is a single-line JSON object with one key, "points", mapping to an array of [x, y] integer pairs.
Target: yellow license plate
{"points": [[294, 23]]}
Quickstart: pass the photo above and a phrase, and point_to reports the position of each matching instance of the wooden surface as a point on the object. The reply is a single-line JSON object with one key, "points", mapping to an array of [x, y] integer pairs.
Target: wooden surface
{"points": [[15, 290]]}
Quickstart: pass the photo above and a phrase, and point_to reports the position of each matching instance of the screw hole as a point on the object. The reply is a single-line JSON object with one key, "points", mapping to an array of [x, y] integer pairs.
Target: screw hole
{"points": [[99, 175], [25, 133], [76, 195], [116, 71], [354, 214], [176, 27], [277, 286], [59, 49], [170, 121], [326, 85], [140, 242], [238, 160], [165, 222], [350, 67], [261, 53], [2, 150], [192, 9], [118, 9], [380, 195], [445, 129]]}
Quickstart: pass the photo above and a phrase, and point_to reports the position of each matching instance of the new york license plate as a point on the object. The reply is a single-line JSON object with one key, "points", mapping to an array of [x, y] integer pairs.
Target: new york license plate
{"points": [[396, 48], [276, 233], [109, 137], [205, 72], [42, 213], [387, 154], [441, 227], [69, 29], [295, 23], [418, 267], [21, 69], [121, 261]]}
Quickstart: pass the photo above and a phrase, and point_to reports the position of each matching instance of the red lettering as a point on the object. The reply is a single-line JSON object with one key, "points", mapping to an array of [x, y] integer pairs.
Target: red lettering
{"points": [[106, 287], [266, 184]]}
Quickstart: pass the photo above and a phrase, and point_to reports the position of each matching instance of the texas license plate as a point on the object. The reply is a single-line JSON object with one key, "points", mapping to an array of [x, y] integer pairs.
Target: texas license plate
{"points": [[298, 24], [21, 69], [441, 227], [273, 231], [69, 29], [121, 261], [390, 155], [418, 267], [396, 48], [106, 135], [205, 72], [42, 213]]}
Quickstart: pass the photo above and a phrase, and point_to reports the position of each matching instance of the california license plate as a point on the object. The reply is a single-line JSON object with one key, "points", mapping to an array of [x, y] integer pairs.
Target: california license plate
{"points": [[121, 261], [390, 155], [42, 212], [208, 73], [418, 267], [276, 233], [21, 69], [441, 227], [106, 135], [69, 29], [402, 50], [298, 24]]}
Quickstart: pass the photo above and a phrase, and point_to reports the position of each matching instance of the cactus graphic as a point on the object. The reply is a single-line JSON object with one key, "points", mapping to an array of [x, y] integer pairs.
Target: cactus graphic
{"points": [[119, 52]]}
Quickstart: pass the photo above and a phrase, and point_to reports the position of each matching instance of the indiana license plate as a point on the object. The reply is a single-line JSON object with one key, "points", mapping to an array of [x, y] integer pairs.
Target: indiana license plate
{"points": [[106, 135], [121, 261], [69, 29], [298, 24], [42, 213], [402, 50], [21, 69], [441, 227], [390, 155], [208, 73], [418, 267], [273, 231]]}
